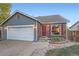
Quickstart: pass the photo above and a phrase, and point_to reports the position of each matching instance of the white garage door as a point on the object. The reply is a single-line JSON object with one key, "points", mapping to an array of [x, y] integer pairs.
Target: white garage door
{"points": [[20, 33]]}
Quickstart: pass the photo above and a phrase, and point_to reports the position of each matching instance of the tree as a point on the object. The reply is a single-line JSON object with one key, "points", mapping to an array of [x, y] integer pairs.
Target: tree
{"points": [[4, 11]]}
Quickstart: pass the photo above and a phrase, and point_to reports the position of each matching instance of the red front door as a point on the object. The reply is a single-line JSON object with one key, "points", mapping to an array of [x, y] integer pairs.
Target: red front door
{"points": [[43, 30]]}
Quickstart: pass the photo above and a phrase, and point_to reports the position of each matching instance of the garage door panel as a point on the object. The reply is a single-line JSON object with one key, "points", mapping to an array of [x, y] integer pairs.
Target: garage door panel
{"points": [[21, 33]]}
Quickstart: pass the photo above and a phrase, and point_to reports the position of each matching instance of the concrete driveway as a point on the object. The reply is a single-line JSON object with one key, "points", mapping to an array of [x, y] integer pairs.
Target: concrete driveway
{"points": [[19, 48]]}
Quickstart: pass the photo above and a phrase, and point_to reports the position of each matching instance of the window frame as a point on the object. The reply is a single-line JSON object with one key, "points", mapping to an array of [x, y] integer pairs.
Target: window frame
{"points": [[59, 28]]}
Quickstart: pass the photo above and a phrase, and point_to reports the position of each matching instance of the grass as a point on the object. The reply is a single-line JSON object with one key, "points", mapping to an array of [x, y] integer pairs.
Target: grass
{"points": [[68, 51]]}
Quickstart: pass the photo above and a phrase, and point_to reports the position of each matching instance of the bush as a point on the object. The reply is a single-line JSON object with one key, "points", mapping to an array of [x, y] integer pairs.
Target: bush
{"points": [[57, 38]]}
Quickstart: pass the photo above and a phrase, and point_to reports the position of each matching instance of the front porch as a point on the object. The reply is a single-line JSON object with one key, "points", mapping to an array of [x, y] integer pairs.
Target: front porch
{"points": [[53, 31]]}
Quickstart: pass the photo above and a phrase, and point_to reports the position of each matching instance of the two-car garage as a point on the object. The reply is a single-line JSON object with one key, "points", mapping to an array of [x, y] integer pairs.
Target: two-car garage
{"points": [[20, 27], [20, 33]]}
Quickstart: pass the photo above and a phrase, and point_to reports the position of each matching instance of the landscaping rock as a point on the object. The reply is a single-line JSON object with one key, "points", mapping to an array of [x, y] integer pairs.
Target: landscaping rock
{"points": [[42, 51]]}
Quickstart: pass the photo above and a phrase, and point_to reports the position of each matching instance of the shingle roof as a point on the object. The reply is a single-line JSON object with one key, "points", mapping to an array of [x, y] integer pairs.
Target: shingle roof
{"points": [[53, 19], [74, 24]]}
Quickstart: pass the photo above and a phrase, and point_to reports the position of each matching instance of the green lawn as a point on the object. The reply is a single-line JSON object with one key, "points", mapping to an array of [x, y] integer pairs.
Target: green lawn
{"points": [[69, 51]]}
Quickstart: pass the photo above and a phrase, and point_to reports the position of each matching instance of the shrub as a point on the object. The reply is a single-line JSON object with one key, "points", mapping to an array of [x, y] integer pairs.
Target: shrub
{"points": [[57, 38]]}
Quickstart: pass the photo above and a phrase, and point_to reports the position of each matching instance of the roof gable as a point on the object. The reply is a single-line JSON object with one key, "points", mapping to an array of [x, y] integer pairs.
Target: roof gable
{"points": [[26, 15]]}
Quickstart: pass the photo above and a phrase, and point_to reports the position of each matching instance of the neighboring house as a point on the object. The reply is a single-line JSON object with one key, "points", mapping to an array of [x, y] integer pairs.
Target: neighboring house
{"points": [[24, 27], [74, 32]]}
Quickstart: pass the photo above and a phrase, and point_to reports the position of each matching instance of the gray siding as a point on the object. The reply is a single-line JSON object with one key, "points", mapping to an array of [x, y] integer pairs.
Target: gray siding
{"points": [[4, 34], [18, 19]]}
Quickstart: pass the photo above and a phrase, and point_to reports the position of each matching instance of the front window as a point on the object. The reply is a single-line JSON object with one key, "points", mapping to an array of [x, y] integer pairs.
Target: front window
{"points": [[56, 29]]}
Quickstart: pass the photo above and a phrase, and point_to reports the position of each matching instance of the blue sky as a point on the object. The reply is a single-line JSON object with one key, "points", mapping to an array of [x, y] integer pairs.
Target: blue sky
{"points": [[69, 11]]}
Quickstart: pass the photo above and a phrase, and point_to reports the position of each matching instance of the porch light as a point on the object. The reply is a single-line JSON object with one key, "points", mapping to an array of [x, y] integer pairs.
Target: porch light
{"points": [[47, 25]]}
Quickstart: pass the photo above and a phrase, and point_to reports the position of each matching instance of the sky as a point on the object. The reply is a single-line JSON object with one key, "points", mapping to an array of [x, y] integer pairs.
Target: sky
{"points": [[68, 11]]}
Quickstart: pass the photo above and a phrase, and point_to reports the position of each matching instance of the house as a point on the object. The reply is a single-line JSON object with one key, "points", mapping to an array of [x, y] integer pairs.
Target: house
{"points": [[20, 26], [74, 32]]}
